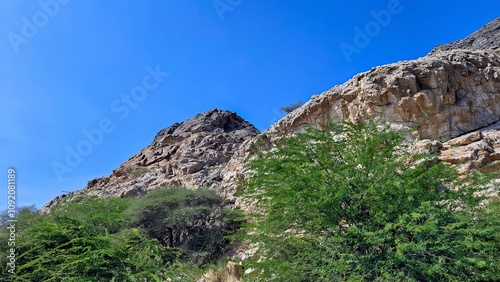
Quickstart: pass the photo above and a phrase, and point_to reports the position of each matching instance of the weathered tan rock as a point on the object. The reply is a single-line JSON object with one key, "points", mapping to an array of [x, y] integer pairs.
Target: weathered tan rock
{"points": [[445, 95], [476, 150], [485, 38]]}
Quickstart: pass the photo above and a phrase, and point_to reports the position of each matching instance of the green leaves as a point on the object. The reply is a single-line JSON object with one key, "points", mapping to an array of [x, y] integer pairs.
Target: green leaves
{"points": [[195, 222], [91, 240], [352, 203], [85, 241]]}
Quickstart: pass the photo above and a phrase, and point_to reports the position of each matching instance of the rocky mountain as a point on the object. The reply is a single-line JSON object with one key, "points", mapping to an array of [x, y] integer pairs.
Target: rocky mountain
{"points": [[190, 154], [450, 99], [445, 95]]}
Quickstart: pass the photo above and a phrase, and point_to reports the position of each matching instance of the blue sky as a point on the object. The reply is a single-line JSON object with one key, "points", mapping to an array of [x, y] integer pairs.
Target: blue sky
{"points": [[103, 77]]}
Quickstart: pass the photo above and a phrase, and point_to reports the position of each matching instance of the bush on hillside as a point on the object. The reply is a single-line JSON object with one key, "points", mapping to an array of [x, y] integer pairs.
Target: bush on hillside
{"points": [[88, 240], [193, 221], [347, 203], [292, 107]]}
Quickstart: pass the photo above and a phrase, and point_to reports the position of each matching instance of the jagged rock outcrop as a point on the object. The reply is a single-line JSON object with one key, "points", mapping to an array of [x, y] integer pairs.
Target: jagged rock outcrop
{"points": [[450, 97], [445, 95], [478, 149], [451, 94], [189, 154], [452, 91], [485, 38]]}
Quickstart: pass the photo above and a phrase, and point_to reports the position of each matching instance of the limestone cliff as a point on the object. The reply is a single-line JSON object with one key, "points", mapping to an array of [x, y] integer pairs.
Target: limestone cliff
{"points": [[445, 95]]}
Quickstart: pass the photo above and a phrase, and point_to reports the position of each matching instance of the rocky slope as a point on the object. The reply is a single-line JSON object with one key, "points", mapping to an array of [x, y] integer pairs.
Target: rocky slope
{"points": [[479, 149], [189, 154], [485, 38], [449, 98], [445, 95]]}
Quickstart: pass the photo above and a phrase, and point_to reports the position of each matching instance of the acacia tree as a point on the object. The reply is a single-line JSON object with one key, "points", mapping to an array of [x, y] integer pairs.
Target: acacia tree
{"points": [[193, 221], [348, 203]]}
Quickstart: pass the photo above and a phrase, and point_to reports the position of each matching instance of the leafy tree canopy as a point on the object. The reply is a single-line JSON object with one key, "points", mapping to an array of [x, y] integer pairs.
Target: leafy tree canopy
{"points": [[349, 203], [193, 221], [114, 239]]}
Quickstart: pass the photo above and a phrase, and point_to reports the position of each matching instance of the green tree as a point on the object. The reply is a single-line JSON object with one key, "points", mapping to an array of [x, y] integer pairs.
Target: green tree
{"points": [[349, 203], [104, 214], [81, 241], [21, 211], [193, 221]]}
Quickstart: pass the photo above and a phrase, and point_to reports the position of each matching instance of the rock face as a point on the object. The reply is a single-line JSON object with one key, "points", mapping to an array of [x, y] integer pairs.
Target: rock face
{"points": [[478, 149], [189, 154], [449, 98], [485, 38], [445, 95]]}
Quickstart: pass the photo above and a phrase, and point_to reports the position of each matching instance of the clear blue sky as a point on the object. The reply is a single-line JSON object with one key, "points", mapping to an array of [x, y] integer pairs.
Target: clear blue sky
{"points": [[65, 65]]}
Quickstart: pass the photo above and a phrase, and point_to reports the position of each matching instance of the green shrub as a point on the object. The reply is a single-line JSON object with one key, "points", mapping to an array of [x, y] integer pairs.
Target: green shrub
{"points": [[79, 241], [105, 214], [292, 107], [193, 221], [349, 204], [93, 239]]}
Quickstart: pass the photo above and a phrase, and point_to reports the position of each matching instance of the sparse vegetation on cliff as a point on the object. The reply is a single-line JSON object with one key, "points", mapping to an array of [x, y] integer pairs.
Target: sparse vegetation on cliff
{"points": [[292, 107]]}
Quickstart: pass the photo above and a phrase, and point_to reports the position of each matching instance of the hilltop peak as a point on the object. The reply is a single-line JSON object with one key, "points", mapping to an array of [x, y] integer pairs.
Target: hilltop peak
{"points": [[213, 121]]}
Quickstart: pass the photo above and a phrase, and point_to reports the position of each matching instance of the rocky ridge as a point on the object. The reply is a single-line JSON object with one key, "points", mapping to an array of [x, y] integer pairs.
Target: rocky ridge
{"points": [[188, 154], [485, 38], [450, 99], [445, 95]]}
